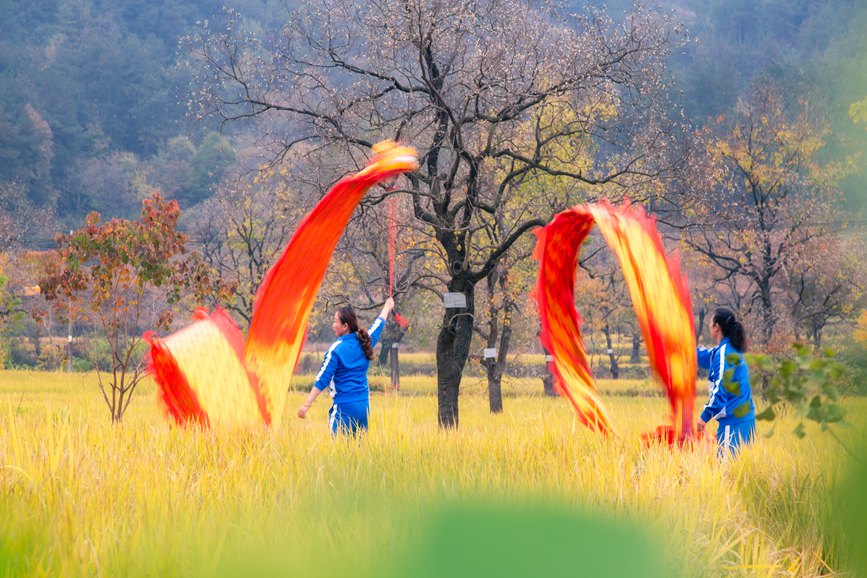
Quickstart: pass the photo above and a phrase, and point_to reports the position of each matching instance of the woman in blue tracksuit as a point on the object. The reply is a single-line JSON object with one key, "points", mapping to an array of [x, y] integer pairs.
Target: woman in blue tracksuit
{"points": [[344, 371], [730, 399]]}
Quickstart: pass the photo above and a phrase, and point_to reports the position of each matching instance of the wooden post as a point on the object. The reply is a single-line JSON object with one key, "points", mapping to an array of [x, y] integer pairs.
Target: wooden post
{"points": [[548, 379], [395, 372]]}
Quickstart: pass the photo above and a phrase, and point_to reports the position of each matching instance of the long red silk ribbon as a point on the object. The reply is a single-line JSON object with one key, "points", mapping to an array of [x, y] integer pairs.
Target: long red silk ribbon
{"points": [[206, 374], [660, 297], [201, 374], [285, 298]]}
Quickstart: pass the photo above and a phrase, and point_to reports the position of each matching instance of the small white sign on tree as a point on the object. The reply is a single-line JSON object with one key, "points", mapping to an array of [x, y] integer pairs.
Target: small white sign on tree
{"points": [[455, 300]]}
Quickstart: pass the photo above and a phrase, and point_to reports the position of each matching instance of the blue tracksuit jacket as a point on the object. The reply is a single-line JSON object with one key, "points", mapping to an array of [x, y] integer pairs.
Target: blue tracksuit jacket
{"points": [[344, 369], [729, 404]]}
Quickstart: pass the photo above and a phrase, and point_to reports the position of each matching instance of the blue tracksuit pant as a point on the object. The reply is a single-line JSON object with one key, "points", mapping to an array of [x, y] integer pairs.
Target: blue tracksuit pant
{"points": [[348, 417], [732, 436]]}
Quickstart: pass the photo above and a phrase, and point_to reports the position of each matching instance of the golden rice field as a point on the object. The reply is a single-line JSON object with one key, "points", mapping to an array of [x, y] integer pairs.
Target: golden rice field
{"points": [[527, 492]]}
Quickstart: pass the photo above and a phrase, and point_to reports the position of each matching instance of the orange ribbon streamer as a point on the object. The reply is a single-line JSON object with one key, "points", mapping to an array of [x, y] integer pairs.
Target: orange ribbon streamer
{"points": [[204, 374], [660, 297]]}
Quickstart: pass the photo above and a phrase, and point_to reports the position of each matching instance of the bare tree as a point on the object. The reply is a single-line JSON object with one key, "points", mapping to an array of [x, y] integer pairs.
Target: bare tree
{"points": [[21, 222], [489, 91], [498, 331], [241, 231], [506, 284]]}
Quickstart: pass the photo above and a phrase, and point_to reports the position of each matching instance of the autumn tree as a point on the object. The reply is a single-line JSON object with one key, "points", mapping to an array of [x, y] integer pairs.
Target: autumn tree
{"points": [[770, 197], [506, 289], [826, 285], [123, 277], [462, 82]]}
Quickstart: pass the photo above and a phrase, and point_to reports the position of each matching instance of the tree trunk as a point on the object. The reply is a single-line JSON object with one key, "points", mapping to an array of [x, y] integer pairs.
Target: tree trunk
{"points": [[495, 392], [767, 312], [817, 337], [612, 359], [384, 352], [497, 368], [48, 326], [764, 284], [636, 347], [116, 413], [453, 349], [391, 335], [702, 314], [495, 397], [37, 346], [548, 384]]}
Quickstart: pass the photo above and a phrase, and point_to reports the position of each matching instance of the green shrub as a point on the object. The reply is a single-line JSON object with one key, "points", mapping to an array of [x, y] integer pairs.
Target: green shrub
{"points": [[853, 357]]}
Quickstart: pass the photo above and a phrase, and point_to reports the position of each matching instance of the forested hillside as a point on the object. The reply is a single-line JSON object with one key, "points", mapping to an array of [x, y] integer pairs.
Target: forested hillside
{"points": [[93, 94], [93, 106]]}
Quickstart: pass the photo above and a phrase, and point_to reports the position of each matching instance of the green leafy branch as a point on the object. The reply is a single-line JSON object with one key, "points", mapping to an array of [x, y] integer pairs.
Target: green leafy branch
{"points": [[809, 383]]}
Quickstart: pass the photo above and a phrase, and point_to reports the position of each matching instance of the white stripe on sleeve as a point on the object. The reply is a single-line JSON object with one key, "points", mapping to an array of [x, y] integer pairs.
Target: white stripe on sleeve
{"points": [[715, 390], [327, 359]]}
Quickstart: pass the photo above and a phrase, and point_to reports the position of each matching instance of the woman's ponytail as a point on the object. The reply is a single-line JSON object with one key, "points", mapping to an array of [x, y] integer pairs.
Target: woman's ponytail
{"points": [[347, 316], [731, 328], [364, 340]]}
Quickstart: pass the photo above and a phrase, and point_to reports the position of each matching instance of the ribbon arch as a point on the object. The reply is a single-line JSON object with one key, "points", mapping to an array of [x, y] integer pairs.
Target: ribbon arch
{"points": [[660, 297]]}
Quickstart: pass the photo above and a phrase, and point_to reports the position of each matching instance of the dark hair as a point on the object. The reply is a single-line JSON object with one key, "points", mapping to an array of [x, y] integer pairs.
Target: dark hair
{"points": [[347, 316], [731, 328]]}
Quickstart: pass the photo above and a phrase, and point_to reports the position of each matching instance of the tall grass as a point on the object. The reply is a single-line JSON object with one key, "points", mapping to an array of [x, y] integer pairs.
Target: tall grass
{"points": [[80, 497]]}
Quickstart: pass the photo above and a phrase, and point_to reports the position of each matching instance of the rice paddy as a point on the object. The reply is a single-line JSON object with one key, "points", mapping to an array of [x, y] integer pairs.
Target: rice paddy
{"points": [[82, 497]]}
